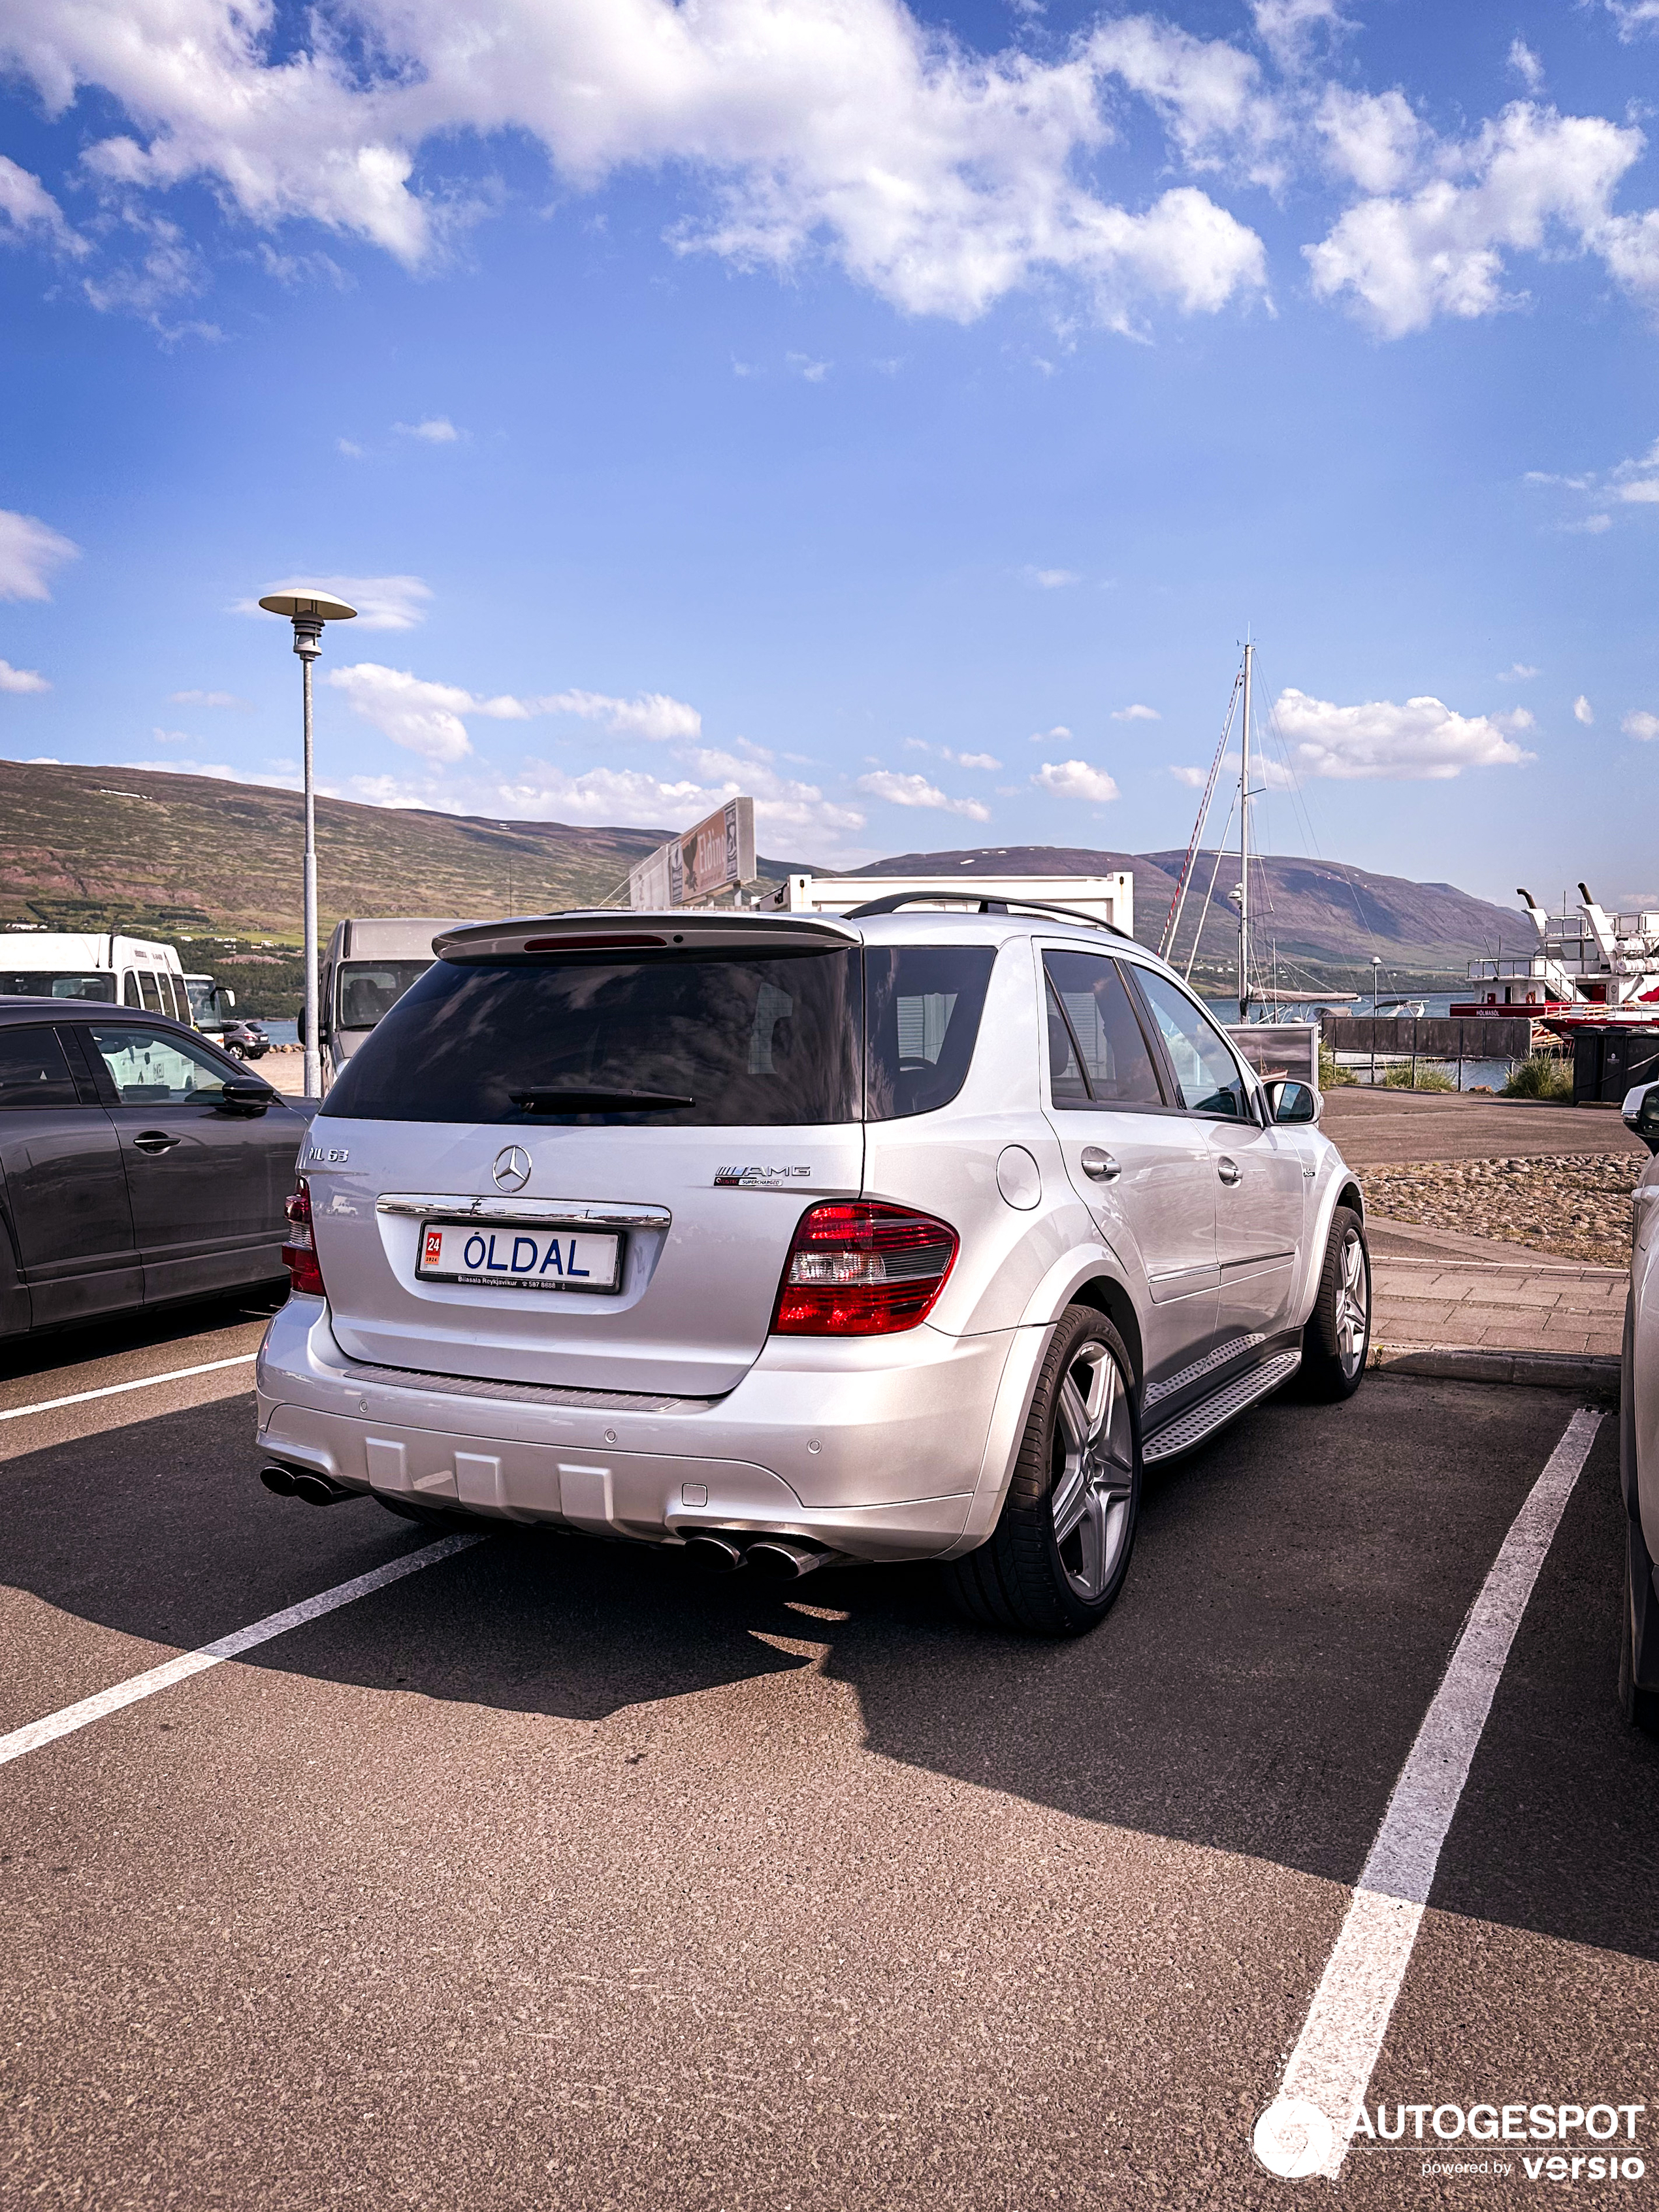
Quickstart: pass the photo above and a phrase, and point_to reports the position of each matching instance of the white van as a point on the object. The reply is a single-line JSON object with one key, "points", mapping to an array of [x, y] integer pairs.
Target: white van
{"points": [[118, 971], [368, 967]]}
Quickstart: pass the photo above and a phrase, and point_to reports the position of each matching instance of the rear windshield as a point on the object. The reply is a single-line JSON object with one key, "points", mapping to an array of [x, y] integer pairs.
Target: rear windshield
{"points": [[790, 1040], [747, 1042], [56, 983]]}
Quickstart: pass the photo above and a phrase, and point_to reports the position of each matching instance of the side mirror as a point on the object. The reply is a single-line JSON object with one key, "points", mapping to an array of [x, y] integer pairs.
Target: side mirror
{"points": [[247, 1097], [300, 1025], [1641, 1113], [1293, 1101], [229, 997]]}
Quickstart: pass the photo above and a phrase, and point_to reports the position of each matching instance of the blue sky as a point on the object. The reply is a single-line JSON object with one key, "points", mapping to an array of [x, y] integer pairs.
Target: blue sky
{"points": [[862, 406]]}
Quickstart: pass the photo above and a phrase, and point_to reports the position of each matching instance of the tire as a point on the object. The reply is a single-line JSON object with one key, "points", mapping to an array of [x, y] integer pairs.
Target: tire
{"points": [[1638, 1630], [1059, 1554], [1338, 1336]]}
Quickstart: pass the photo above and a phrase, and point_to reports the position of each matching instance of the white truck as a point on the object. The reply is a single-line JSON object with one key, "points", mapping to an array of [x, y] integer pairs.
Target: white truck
{"points": [[118, 971], [370, 963]]}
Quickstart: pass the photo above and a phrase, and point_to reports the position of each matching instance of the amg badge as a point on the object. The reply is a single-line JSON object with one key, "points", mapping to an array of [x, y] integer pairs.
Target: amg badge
{"points": [[760, 1178]]}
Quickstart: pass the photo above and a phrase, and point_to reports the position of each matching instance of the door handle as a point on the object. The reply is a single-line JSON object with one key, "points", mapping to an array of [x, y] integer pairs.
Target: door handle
{"points": [[154, 1141], [1099, 1166], [1229, 1171]]}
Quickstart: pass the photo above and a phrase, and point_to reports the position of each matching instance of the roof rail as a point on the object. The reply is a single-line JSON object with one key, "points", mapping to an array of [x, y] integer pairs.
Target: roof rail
{"points": [[898, 899]]}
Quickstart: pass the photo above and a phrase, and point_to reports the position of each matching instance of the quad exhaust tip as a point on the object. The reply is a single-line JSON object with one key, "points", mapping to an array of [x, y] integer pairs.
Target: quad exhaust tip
{"points": [[315, 1489], [776, 1558]]}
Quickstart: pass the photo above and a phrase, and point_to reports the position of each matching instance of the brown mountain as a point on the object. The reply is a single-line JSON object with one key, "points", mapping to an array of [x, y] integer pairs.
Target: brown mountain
{"points": [[1320, 914]]}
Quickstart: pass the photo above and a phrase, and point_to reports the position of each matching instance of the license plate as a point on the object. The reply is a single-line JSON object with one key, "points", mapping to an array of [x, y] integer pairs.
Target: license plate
{"points": [[525, 1255]]}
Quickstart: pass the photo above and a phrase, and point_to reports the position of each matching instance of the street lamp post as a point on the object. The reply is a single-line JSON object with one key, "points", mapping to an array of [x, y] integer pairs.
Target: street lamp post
{"points": [[308, 611]]}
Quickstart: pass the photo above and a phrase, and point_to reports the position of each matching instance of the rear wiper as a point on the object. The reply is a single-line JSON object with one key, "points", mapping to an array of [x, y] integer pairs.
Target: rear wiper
{"points": [[578, 1100]]}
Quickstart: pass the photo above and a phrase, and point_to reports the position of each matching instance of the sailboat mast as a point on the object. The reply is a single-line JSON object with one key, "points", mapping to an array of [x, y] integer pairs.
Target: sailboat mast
{"points": [[1244, 848]]}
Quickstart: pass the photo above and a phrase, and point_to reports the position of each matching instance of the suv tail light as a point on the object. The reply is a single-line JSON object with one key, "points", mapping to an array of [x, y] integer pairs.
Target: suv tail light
{"points": [[859, 1269], [299, 1251]]}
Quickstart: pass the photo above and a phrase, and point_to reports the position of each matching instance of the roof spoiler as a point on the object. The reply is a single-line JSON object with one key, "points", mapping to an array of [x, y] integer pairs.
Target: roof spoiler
{"points": [[611, 929]]}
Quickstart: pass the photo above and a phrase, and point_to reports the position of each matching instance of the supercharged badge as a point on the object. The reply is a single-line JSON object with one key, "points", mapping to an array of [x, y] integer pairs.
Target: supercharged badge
{"points": [[759, 1178]]}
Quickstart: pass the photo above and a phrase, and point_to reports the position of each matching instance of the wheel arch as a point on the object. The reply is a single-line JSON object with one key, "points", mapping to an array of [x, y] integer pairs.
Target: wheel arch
{"points": [[1110, 1297]]}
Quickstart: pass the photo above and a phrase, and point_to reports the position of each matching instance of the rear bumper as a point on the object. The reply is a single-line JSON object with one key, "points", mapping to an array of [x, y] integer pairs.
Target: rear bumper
{"points": [[874, 1449]]}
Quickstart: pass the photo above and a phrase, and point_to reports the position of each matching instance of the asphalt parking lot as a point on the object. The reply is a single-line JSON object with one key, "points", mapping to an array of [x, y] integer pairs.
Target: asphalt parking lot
{"points": [[548, 1874]]}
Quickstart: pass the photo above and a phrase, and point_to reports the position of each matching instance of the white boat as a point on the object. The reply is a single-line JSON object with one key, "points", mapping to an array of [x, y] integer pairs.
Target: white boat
{"points": [[1590, 967]]}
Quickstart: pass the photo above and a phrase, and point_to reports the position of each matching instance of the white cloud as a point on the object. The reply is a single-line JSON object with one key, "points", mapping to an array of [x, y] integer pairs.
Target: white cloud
{"points": [[941, 178], [1518, 672], [1583, 711], [1641, 724], [425, 718], [1060, 735], [220, 771], [973, 760], [28, 209], [1421, 739], [1052, 580], [916, 791], [20, 679], [1591, 526], [804, 365], [652, 714], [436, 430], [29, 551], [205, 699], [1285, 26], [1526, 65], [172, 738], [346, 446], [1136, 714], [1075, 779], [1633, 16], [1194, 778], [1370, 138], [382, 602], [1533, 180]]}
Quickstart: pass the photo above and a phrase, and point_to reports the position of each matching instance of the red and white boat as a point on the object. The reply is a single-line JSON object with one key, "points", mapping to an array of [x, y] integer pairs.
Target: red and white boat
{"points": [[1591, 969]]}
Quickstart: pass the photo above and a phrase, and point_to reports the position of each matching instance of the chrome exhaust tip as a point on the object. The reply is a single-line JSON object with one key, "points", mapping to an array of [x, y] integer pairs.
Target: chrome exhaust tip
{"points": [[278, 1480], [778, 1559], [714, 1554], [300, 1482]]}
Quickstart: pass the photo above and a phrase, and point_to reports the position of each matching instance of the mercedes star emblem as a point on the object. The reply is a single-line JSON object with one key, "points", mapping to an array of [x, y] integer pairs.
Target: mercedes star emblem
{"points": [[512, 1169]]}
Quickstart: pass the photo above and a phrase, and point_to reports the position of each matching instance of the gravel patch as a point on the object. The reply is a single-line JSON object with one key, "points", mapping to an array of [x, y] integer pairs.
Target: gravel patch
{"points": [[1576, 1206]]}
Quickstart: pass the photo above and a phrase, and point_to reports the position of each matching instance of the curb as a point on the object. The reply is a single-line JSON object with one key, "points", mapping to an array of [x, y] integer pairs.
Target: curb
{"points": [[1593, 1375]]}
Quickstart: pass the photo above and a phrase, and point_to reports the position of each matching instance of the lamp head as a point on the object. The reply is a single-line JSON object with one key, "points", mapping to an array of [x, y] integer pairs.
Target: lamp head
{"points": [[308, 610]]}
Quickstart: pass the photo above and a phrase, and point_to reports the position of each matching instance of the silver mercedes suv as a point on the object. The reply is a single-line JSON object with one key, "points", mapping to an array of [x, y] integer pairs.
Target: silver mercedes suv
{"points": [[912, 1235]]}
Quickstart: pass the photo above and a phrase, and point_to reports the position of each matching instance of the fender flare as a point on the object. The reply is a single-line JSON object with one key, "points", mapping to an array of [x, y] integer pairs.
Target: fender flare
{"points": [[1082, 1264], [1341, 1186]]}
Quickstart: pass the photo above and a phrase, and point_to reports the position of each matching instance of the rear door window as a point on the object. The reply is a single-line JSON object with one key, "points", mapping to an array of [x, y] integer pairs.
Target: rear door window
{"points": [[55, 983], [678, 1041], [1098, 1054], [922, 1006], [33, 1071], [153, 1067]]}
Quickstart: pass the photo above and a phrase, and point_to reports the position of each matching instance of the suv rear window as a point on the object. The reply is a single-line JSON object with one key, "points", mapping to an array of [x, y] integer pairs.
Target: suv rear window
{"points": [[782, 1041], [748, 1042]]}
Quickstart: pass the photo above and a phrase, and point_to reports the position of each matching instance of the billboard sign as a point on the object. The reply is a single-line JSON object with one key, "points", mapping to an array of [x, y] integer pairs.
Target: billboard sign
{"points": [[714, 855]]}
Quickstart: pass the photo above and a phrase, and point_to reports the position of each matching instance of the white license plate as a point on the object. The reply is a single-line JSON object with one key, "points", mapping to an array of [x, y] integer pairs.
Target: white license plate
{"points": [[526, 1255]]}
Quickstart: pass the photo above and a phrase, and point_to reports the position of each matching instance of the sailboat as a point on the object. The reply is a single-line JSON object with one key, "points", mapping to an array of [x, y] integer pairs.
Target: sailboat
{"points": [[1252, 991]]}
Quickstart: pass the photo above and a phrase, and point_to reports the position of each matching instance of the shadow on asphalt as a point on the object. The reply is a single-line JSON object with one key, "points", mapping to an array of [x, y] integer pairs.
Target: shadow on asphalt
{"points": [[56, 1349], [1296, 1593]]}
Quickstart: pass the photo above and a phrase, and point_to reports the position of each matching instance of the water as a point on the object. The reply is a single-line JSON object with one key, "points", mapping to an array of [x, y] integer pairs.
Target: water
{"points": [[281, 1032], [1492, 1074]]}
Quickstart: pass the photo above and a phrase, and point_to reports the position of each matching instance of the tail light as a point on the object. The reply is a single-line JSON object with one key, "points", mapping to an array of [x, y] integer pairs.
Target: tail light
{"points": [[858, 1269], [299, 1251]]}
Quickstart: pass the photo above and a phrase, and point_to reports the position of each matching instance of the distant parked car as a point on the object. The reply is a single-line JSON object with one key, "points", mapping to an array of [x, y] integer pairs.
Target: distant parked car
{"points": [[1638, 1433], [904, 1235], [138, 1165]]}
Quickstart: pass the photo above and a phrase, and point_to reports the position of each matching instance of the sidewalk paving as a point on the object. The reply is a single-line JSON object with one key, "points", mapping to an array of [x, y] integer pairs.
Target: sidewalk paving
{"points": [[1447, 1303]]}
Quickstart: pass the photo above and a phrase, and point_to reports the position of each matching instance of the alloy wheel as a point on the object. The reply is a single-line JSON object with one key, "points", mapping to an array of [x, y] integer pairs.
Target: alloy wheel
{"points": [[1094, 1469], [1353, 1304]]}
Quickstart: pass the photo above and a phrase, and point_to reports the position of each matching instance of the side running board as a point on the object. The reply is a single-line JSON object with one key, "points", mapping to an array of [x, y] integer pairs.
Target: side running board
{"points": [[1201, 1420]]}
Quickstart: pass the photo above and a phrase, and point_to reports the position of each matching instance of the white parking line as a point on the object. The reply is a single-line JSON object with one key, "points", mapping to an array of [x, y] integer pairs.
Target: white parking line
{"points": [[225, 1647], [1331, 2066], [114, 1389]]}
